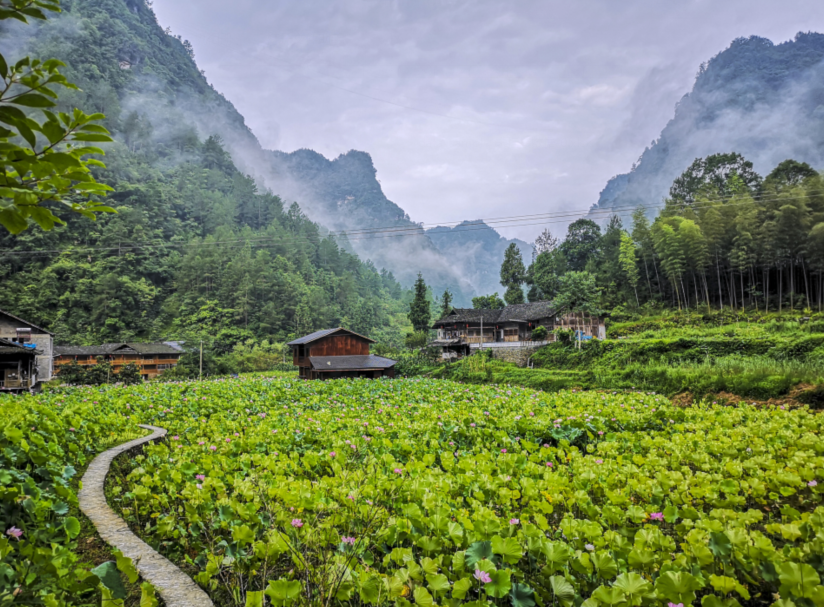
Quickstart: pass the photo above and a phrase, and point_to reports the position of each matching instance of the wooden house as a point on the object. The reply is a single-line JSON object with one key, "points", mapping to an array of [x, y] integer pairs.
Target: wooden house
{"points": [[24, 344], [512, 326], [152, 358], [336, 353]]}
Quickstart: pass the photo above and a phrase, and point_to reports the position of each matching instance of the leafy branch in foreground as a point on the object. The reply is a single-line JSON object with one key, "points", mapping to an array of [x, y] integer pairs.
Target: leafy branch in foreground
{"points": [[43, 161]]}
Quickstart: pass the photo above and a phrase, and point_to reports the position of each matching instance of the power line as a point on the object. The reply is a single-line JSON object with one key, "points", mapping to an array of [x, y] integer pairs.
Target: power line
{"points": [[387, 232]]}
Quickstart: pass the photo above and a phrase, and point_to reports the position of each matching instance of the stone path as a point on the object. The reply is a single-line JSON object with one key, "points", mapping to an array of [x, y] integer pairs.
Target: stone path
{"points": [[175, 587]]}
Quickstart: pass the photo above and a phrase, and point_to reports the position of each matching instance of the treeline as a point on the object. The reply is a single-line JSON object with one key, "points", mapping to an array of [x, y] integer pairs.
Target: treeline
{"points": [[195, 252], [725, 237]]}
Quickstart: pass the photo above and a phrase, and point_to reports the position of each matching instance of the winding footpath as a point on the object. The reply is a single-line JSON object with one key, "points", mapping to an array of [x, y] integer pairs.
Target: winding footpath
{"points": [[175, 587]]}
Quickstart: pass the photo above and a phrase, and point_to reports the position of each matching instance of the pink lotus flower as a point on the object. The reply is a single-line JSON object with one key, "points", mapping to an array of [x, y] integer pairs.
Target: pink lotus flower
{"points": [[175, 437], [482, 576], [657, 516], [514, 521], [812, 483], [228, 440], [14, 532], [675, 604], [212, 448], [503, 450], [201, 442], [200, 477], [471, 425], [398, 471], [199, 486], [549, 464], [599, 461], [332, 454], [297, 523]]}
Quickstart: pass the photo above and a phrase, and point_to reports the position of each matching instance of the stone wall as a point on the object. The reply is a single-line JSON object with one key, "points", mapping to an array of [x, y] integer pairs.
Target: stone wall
{"points": [[519, 356]]}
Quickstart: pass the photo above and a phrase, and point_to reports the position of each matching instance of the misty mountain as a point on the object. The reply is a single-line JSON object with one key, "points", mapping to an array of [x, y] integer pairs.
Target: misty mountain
{"points": [[477, 250], [145, 79], [760, 99]]}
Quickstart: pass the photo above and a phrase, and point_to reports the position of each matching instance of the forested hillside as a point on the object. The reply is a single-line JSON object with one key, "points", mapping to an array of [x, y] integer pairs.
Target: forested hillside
{"points": [[762, 100], [146, 81], [196, 249]]}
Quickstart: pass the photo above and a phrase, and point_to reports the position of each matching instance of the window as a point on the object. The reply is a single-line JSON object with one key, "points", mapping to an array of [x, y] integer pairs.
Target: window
{"points": [[301, 351]]}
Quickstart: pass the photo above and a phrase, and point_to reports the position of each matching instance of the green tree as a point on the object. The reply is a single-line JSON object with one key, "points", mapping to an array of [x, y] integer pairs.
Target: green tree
{"points": [[446, 303], [546, 271], [815, 252], [129, 374], [488, 302], [582, 243], [718, 174], [513, 274], [629, 264], [419, 313], [578, 292], [45, 164]]}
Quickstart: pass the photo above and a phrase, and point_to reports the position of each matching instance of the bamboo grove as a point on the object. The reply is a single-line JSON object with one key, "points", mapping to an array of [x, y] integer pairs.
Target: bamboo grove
{"points": [[725, 237]]}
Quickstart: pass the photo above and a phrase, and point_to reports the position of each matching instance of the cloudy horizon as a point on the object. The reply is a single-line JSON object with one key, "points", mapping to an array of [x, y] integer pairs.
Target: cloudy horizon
{"points": [[470, 109]]}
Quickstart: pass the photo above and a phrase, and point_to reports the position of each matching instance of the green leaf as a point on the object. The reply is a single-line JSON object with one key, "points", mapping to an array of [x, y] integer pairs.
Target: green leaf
{"points": [[283, 592], [500, 585], [243, 535], [720, 544], [508, 548], [72, 527], [148, 595], [671, 514], [677, 586], [32, 100], [98, 137], [62, 161], [422, 597], [254, 598], [562, 590], [522, 595], [557, 555], [126, 566], [4, 67], [370, 589], [609, 596], [604, 564], [461, 587], [477, 552], [798, 580], [439, 584], [634, 587], [109, 576]]}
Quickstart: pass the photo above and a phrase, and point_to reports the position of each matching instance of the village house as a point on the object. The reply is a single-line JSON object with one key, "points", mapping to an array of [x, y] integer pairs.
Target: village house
{"points": [[463, 329], [152, 358], [336, 353], [25, 353]]}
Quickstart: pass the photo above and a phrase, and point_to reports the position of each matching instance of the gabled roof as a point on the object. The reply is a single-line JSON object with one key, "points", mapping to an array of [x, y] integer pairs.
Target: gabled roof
{"points": [[25, 322], [116, 348], [12, 347], [519, 312], [355, 362], [325, 332]]}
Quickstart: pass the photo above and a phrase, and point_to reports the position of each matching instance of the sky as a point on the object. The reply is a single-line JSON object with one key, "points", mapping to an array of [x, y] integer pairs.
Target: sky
{"points": [[477, 108]]}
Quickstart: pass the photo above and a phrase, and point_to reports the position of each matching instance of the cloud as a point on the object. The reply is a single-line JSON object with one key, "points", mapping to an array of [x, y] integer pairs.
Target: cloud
{"points": [[508, 108]]}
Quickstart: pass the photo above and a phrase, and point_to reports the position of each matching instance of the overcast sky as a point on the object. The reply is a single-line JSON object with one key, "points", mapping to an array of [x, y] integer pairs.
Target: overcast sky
{"points": [[471, 109]]}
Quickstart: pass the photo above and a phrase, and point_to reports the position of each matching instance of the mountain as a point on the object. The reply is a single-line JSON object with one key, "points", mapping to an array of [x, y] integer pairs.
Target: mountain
{"points": [[157, 101], [477, 250], [760, 99]]}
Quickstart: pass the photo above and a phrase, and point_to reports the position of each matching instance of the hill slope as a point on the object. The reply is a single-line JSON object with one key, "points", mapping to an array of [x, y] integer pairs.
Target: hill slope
{"points": [[156, 100], [762, 100]]}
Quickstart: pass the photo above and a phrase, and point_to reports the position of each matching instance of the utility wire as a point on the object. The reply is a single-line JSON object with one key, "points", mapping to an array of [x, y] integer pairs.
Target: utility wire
{"points": [[375, 233]]}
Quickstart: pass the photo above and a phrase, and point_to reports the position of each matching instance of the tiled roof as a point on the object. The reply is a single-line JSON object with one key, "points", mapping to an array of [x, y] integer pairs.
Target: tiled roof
{"points": [[25, 322], [117, 348], [350, 363], [318, 334], [12, 347], [522, 312]]}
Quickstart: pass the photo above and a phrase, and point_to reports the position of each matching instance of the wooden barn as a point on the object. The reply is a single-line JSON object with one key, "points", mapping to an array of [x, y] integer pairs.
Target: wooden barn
{"points": [[336, 353]]}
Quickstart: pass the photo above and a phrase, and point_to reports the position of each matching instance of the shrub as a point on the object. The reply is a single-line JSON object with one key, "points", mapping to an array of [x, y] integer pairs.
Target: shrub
{"points": [[539, 333]]}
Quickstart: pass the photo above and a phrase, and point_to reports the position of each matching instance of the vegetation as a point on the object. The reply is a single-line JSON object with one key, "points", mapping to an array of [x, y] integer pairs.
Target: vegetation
{"points": [[276, 492], [754, 356], [45, 443], [43, 162], [726, 239]]}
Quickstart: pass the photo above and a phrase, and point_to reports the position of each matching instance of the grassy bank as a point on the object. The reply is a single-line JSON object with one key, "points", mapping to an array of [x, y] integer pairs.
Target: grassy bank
{"points": [[758, 357]]}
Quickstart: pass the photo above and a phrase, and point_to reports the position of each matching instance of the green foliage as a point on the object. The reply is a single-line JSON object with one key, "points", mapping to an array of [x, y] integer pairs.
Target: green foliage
{"points": [[513, 272], [129, 374], [44, 165], [578, 292], [419, 312], [559, 497], [539, 333], [488, 302]]}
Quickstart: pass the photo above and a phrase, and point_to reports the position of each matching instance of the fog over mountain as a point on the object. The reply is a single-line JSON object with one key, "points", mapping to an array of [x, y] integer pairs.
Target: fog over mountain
{"points": [[760, 99]]}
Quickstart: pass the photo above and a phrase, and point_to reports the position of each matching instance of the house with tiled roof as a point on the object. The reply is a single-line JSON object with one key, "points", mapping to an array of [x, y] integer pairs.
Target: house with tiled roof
{"points": [[463, 329], [25, 353], [338, 353], [151, 358]]}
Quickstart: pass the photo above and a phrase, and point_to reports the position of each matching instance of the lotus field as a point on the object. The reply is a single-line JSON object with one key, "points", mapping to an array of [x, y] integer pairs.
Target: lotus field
{"points": [[281, 492]]}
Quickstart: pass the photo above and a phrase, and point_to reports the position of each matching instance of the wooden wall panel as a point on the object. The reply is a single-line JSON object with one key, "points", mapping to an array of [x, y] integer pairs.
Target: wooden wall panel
{"points": [[339, 345]]}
